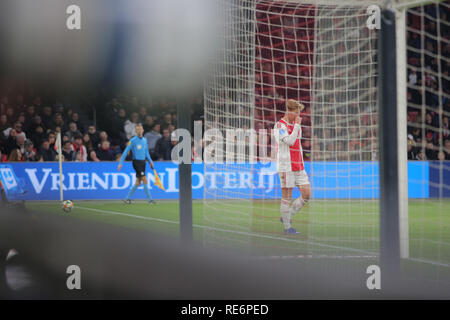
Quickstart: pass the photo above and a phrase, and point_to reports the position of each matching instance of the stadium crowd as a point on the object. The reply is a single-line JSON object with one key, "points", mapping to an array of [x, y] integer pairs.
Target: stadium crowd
{"points": [[29, 124], [29, 120], [428, 52]]}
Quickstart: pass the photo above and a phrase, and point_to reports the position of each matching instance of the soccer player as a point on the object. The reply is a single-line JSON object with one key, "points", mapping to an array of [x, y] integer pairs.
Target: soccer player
{"points": [[290, 166], [138, 146]]}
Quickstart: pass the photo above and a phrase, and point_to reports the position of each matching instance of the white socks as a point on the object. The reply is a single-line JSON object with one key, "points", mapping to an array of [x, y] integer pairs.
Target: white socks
{"points": [[285, 213], [297, 205]]}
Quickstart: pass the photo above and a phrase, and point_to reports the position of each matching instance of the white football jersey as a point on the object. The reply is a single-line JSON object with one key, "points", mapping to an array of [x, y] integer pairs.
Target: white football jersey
{"points": [[289, 148]]}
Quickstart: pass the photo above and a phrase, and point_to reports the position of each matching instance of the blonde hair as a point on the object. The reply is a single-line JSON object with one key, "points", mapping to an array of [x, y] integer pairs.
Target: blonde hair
{"points": [[293, 105]]}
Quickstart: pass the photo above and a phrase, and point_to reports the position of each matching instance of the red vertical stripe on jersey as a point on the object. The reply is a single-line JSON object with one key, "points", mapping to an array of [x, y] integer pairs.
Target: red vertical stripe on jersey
{"points": [[296, 154]]}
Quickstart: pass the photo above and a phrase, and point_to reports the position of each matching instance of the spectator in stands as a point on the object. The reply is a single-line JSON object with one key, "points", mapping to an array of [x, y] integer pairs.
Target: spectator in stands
{"points": [[148, 123], [414, 40], [58, 121], [432, 99], [197, 109], [38, 135], [357, 152], [416, 134], [447, 101], [445, 128], [94, 136], [104, 153], [412, 150], [130, 125], [120, 119], [163, 147], [18, 129], [114, 105], [67, 151], [421, 156], [167, 120], [143, 114], [59, 108], [10, 113], [79, 147], [29, 115], [15, 156], [103, 137], [306, 145], [79, 157], [20, 143], [21, 119], [117, 128], [412, 77], [174, 141], [441, 156], [30, 151], [93, 156], [152, 137], [447, 149], [52, 139], [47, 118], [10, 142], [68, 116], [87, 142], [430, 151], [73, 131], [174, 118], [36, 121], [76, 118], [64, 139], [48, 154], [317, 150], [114, 147], [195, 157]]}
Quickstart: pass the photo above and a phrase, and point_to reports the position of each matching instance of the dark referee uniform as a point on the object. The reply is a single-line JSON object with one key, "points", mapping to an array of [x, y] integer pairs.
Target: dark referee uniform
{"points": [[139, 148]]}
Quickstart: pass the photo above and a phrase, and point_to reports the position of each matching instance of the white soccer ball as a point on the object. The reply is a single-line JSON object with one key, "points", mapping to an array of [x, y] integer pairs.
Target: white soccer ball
{"points": [[67, 205]]}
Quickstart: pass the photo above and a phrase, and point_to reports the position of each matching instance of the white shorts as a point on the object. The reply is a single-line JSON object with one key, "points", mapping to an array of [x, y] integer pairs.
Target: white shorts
{"points": [[293, 178]]}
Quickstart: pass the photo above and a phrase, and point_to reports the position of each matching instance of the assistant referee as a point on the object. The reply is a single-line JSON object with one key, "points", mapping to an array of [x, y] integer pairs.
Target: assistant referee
{"points": [[139, 147]]}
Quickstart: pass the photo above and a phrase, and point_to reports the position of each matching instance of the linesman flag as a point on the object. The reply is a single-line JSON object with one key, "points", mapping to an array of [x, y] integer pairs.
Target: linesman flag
{"points": [[158, 182], [57, 147]]}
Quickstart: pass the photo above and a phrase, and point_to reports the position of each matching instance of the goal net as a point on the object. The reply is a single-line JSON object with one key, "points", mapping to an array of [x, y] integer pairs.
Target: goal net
{"points": [[428, 111], [322, 54]]}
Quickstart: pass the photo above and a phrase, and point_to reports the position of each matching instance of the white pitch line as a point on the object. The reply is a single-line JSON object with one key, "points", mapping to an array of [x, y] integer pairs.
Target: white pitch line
{"points": [[435, 263], [257, 235], [129, 215]]}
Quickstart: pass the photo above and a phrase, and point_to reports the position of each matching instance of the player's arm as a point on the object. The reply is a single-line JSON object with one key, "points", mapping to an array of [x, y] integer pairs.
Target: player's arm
{"points": [[289, 139], [124, 155]]}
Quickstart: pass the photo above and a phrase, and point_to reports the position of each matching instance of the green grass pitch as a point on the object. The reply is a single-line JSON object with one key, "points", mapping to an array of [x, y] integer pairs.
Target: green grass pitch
{"points": [[329, 229]]}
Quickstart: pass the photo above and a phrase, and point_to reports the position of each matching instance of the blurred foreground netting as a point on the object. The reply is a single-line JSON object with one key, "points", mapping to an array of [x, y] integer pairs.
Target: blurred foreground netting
{"points": [[118, 262]]}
